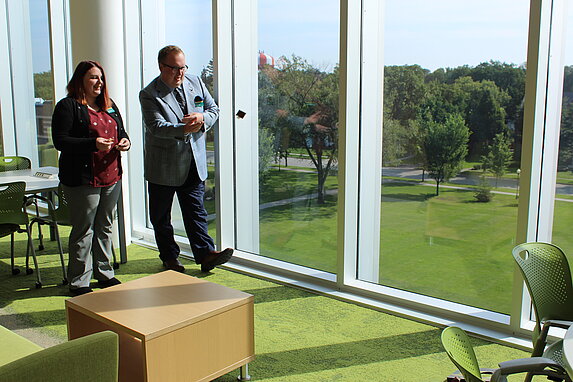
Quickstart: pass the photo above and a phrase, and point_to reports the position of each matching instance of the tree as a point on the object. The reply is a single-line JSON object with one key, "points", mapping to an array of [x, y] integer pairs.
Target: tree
{"points": [[566, 136], [499, 156], [207, 76], [479, 103], [392, 137], [404, 91], [273, 113], [266, 153], [568, 79], [445, 147], [43, 85], [311, 108]]}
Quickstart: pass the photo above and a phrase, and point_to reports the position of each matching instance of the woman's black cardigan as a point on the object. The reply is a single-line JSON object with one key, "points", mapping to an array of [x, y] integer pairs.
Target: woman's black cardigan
{"points": [[71, 136]]}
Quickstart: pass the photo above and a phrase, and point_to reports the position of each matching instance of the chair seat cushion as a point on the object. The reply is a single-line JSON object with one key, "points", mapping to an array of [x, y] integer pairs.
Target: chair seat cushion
{"points": [[7, 228]]}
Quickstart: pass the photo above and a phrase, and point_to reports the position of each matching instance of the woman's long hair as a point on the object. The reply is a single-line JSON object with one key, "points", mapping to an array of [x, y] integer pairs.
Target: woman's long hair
{"points": [[76, 85]]}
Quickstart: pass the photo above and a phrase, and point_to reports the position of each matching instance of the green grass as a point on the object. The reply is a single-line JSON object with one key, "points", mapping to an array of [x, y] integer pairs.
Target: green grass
{"points": [[424, 238]]}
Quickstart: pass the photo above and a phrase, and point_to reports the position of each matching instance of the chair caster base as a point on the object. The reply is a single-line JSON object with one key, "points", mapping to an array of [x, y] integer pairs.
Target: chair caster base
{"points": [[15, 271], [38, 285], [29, 271]]}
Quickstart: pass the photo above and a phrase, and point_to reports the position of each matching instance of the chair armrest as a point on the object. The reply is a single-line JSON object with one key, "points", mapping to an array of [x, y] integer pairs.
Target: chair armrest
{"points": [[93, 358], [536, 365], [33, 199], [558, 323]]}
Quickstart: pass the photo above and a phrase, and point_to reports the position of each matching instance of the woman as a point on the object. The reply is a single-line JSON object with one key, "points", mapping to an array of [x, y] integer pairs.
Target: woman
{"points": [[88, 130]]}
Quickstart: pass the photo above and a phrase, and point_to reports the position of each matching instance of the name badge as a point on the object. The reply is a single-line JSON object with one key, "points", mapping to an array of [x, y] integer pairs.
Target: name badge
{"points": [[198, 101]]}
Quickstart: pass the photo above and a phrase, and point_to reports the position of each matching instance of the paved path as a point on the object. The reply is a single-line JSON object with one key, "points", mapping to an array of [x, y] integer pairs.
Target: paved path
{"points": [[408, 173], [466, 178]]}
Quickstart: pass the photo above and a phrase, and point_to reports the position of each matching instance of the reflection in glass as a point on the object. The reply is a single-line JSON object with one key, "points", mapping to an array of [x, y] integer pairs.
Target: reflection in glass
{"points": [[298, 131], [1, 135], [454, 85], [43, 81], [563, 212], [198, 48]]}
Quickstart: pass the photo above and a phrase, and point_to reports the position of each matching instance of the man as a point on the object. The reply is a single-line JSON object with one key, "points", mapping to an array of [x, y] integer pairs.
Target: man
{"points": [[177, 111]]}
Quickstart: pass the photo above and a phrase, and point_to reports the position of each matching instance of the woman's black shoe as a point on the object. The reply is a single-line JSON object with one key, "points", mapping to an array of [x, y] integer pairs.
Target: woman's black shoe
{"points": [[80, 291], [107, 283]]}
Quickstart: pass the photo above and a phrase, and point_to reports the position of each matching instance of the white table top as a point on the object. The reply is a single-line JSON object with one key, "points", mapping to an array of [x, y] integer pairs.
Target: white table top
{"points": [[33, 183]]}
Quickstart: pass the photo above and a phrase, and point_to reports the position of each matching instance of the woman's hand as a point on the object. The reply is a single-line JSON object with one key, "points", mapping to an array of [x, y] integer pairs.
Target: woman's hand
{"points": [[104, 144], [123, 145]]}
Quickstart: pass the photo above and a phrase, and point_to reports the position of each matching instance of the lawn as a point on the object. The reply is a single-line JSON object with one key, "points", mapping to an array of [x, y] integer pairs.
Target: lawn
{"points": [[447, 246]]}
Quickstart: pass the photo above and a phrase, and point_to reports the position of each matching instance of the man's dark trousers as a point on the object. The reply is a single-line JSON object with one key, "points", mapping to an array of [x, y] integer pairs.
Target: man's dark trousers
{"points": [[190, 196]]}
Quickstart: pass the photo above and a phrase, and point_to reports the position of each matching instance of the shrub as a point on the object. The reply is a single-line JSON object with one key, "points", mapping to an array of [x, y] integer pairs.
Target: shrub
{"points": [[483, 191]]}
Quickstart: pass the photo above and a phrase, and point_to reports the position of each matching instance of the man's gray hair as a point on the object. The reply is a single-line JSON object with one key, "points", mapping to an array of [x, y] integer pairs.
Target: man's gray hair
{"points": [[166, 51]]}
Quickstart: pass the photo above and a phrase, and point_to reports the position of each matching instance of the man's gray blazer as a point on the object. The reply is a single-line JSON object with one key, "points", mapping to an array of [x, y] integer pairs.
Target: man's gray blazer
{"points": [[168, 151]]}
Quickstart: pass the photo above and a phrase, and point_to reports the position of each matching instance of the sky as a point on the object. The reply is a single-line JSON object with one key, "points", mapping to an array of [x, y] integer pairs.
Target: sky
{"points": [[432, 34]]}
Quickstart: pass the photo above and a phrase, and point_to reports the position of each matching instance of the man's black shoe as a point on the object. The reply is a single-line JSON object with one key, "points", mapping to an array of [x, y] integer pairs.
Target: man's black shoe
{"points": [[80, 291], [107, 283], [216, 258], [174, 265]]}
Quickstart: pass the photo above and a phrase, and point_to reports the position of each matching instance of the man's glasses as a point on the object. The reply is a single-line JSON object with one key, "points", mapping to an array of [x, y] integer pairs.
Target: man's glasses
{"points": [[175, 69]]}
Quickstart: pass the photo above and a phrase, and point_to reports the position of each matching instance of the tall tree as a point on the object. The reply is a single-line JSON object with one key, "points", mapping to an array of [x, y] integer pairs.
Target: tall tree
{"points": [[479, 103], [266, 140], [445, 147], [499, 156], [393, 135], [311, 98], [566, 136], [404, 91]]}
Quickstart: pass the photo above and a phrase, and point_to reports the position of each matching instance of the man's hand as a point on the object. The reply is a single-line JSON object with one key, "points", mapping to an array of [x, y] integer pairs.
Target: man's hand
{"points": [[123, 145], [193, 122], [104, 144]]}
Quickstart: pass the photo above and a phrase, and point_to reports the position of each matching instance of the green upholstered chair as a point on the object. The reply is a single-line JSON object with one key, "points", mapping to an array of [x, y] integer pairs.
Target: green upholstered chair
{"points": [[547, 275], [460, 351], [93, 358]]}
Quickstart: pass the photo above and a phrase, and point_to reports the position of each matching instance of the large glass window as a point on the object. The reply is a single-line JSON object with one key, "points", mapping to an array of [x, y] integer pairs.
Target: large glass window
{"points": [[563, 213], [1, 136], [298, 131], [43, 81], [195, 38], [454, 82]]}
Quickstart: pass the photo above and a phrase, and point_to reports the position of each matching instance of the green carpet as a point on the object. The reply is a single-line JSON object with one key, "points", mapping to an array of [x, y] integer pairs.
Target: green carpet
{"points": [[299, 336]]}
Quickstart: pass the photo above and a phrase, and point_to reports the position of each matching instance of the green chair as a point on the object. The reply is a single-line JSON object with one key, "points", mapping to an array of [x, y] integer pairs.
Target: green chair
{"points": [[12, 163], [93, 358], [460, 351], [547, 275], [55, 216], [12, 217]]}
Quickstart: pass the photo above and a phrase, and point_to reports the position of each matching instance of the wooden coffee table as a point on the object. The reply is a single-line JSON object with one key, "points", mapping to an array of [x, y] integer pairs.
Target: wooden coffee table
{"points": [[172, 327]]}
